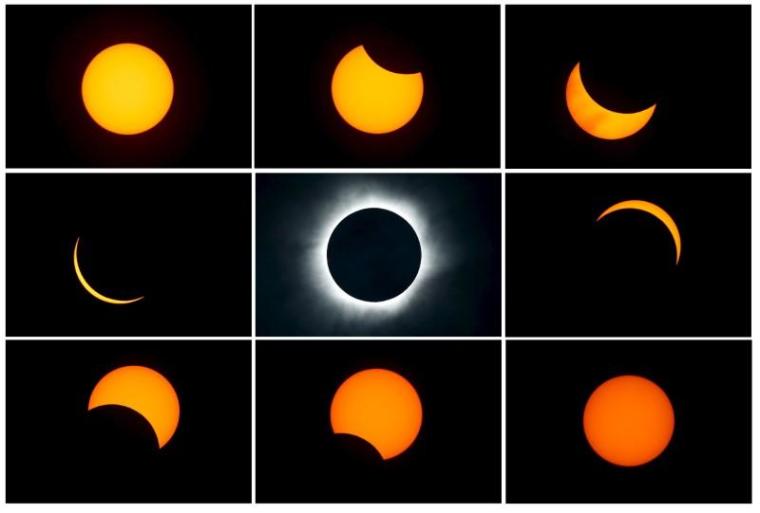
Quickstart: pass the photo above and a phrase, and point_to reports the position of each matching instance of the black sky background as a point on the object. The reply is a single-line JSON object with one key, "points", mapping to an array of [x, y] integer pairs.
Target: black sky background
{"points": [[549, 459], [207, 49], [455, 47], [455, 458], [462, 213], [693, 61], [182, 241], [569, 275], [57, 451]]}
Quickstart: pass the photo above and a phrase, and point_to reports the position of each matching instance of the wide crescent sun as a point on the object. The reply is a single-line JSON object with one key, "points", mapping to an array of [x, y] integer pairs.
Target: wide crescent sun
{"points": [[371, 98], [597, 120], [144, 391], [94, 293], [656, 211]]}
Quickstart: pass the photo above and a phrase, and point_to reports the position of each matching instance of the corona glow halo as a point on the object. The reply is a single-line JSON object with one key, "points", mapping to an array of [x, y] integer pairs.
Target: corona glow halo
{"points": [[347, 203]]}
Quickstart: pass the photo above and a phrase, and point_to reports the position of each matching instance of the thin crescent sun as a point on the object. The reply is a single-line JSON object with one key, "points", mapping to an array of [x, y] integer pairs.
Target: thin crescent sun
{"points": [[94, 293], [144, 391], [372, 99], [656, 211], [597, 120]]}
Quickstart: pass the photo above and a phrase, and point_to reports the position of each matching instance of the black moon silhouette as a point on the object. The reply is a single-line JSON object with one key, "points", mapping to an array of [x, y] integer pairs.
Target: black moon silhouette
{"points": [[374, 254]]}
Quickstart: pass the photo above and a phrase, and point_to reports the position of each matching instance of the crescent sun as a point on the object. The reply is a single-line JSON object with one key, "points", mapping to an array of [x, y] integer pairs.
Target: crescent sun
{"points": [[597, 120], [656, 211], [94, 293]]}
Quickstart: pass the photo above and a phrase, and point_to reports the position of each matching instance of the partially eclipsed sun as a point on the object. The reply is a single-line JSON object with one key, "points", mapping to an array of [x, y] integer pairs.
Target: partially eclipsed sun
{"points": [[379, 406], [654, 210], [91, 290], [146, 392], [597, 120], [371, 98]]}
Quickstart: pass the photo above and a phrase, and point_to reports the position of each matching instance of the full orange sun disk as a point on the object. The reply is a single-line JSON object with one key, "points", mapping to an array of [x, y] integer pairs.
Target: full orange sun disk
{"points": [[379, 406], [628, 420]]}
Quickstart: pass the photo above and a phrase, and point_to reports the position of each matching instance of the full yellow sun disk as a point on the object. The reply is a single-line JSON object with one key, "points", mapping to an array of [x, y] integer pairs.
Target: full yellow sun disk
{"points": [[127, 89]]}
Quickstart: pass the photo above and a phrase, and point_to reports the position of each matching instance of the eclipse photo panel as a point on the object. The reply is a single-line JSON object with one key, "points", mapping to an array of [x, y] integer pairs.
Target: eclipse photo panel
{"points": [[628, 255], [627, 86], [128, 86], [378, 421], [348, 86], [379, 254], [624, 421], [128, 421], [121, 255]]}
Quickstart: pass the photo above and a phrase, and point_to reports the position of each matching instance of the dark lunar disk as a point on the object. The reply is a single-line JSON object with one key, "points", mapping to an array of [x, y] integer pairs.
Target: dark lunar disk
{"points": [[374, 254]]}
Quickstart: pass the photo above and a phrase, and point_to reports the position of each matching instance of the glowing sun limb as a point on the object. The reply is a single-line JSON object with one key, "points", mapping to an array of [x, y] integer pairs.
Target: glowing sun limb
{"points": [[91, 290], [656, 211]]}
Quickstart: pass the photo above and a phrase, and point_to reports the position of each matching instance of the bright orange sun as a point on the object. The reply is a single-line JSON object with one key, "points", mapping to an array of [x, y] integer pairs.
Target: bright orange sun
{"points": [[146, 392], [379, 406], [628, 420]]}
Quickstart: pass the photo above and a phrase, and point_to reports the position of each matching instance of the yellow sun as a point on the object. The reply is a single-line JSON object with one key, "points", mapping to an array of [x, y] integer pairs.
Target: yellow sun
{"points": [[127, 89], [371, 98]]}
